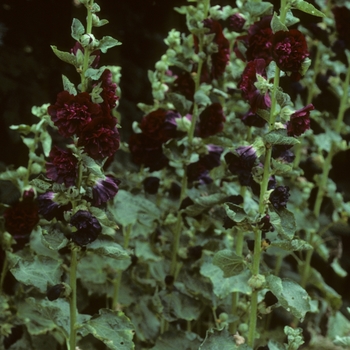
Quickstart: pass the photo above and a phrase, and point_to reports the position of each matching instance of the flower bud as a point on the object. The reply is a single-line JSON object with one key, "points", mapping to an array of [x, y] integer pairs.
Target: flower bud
{"points": [[257, 282], [88, 41], [55, 292]]}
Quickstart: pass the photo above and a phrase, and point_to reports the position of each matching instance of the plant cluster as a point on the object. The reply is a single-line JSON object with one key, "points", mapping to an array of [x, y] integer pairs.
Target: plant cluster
{"points": [[198, 231]]}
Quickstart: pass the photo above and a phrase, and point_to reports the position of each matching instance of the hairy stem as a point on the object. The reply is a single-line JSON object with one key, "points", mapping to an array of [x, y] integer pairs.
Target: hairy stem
{"points": [[73, 298]]}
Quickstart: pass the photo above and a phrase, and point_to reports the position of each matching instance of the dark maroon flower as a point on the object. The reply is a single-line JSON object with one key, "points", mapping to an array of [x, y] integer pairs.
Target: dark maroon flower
{"points": [[50, 209], [160, 125], [88, 228], [342, 20], [289, 50], [283, 152], [100, 138], [252, 119], [299, 121], [55, 291], [62, 166], [144, 150], [241, 163], [108, 91], [22, 217], [279, 197], [237, 22], [72, 113], [256, 99], [212, 159], [184, 85], [211, 120], [151, 184], [265, 224], [259, 40], [219, 59], [104, 190]]}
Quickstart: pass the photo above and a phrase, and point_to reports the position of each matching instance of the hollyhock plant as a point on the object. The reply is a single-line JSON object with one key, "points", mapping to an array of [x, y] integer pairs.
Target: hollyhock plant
{"points": [[87, 228], [283, 152], [299, 121], [252, 119], [100, 138], [159, 125], [108, 93], [289, 51], [22, 217], [50, 209], [104, 189], [72, 113], [255, 97], [62, 166], [279, 197], [211, 121], [184, 85]]}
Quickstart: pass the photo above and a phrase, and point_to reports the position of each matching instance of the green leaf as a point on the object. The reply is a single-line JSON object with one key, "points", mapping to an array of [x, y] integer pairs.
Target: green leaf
{"points": [[281, 168], [292, 246], [180, 103], [113, 328], [37, 271], [284, 222], [107, 42], [235, 212], [201, 98], [177, 305], [221, 340], [225, 286], [279, 137], [277, 25], [77, 29], [257, 9], [306, 7], [176, 340], [204, 203], [229, 262], [54, 240], [129, 208], [274, 345], [108, 248], [290, 295], [95, 74], [64, 56], [68, 86]]}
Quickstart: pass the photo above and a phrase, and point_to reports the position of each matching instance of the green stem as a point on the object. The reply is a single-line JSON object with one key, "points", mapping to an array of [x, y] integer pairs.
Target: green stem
{"points": [[3, 273], [239, 241], [118, 280], [73, 298], [87, 52]]}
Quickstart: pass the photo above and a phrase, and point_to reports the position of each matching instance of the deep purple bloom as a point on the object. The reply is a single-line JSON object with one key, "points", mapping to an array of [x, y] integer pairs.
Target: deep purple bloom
{"points": [[160, 125], [100, 138], [241, 163], [283, 152], [50, 209], [72, 113], [289, 50], [151, 184], [184, 85], [62, 167], [211, 120], [22, 217], [259, 40], [299, 121], [265, 224], [237, 22], [88, 228], [256, 99], [108, 91], [144, 150], [55, 291], [279, 197], [104, 190], [252, 119], [212, 159]]}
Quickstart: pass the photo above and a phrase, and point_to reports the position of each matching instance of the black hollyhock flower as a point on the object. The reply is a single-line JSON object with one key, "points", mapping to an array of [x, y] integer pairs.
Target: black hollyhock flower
{"points": [[151, 184], [88, 228], [55, 292], [237, 22], [241, 163], [265, 224], [283, 152], [279, 197], [252, 119], [211, 121], [104, 190], [299, 121], [50, 209]]}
